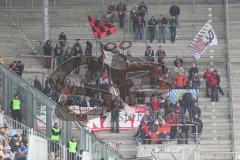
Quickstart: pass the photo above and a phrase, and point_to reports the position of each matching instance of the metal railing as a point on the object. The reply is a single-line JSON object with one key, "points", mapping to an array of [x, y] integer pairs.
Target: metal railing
{"points": [[36, 105], [228, 57], [58, 149]]}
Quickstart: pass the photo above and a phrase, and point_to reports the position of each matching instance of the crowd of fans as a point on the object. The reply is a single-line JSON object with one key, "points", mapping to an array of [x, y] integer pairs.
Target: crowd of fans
{"points": [[62, 51], [17, 67], [166, 120], [138, 18], [12, 145]]}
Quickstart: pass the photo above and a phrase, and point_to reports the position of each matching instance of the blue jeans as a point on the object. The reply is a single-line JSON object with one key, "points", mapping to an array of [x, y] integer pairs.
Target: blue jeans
{"points": [[173, 33], [177, 19], [162, 34], [138, 33], [207, 92], [214, 93], [138, 141]]}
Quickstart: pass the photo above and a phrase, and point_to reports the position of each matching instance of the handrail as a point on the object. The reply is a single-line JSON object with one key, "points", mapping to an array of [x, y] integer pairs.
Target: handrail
{"points": [[173, 156], [229, 73], [52, 104], [153, 155]]}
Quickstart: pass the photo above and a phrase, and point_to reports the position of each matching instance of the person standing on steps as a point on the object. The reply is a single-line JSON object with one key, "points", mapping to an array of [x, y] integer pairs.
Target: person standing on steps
{"points": [[121, 9], [72, 146], [162, 22], [151, 28], [160, 54], [207, 77], [214, 81], [172, 27], [115, 115], [37, 84], [16, 108], [55, 137], [47, 49], [140, 23], [174, 10], [19, 68]]}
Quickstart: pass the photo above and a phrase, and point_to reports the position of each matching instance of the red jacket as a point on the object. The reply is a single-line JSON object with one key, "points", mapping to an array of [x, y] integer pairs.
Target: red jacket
{"points": [[180, 81], [213, 81], [207, 75], [155, 104]]}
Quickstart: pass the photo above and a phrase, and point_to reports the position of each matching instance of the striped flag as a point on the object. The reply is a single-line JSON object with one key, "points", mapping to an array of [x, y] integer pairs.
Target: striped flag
{"points": [[176, 93], [113, 60], [205, 37]]}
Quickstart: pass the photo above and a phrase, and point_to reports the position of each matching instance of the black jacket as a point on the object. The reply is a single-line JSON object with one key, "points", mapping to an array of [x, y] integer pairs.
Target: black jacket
{"points": [[141, 133], [37, 85], [162, 22], [77, 49], [199, 124], [174, 10], [151, 25], [47, 49]]}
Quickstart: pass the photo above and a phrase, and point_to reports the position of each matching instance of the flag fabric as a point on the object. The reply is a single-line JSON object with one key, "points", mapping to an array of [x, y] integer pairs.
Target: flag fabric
{"points": [[101, 29], [205, 37], [176, 93], [113, 60]]}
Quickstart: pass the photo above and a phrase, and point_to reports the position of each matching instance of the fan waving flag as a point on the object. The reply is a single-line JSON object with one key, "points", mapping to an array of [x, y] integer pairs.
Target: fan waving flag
{"points": [[101, 29], [205, 37]]}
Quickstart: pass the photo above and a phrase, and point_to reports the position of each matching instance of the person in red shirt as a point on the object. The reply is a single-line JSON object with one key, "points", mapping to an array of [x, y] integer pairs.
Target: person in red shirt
{"points": [[147, 130], [180, 81], [207, 77], [162, 131], [214, 87], [173, 119], [155, 105]]}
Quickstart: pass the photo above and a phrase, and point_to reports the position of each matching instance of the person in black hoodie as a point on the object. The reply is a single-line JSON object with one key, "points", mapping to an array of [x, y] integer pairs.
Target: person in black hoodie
{"points": [[19, 68], [47, 49], [142, 9], [37, 84], [162, 28], [174, 10], [62, 39], [197, 128], [196, 110], [140, 23], [77, 48], [121, 9], [88, 50], [140, 135], [151, 28]]}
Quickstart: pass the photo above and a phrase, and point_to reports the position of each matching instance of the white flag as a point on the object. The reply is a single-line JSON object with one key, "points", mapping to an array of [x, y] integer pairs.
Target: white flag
{"points": [[114, 60], [205, 37]]}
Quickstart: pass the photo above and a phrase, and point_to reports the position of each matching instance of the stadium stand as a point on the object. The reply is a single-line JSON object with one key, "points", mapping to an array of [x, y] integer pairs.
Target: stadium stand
{"points": [[216, 140]]}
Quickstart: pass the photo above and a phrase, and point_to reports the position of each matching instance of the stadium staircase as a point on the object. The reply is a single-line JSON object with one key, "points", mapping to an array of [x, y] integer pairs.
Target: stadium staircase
{"points": [[215, 116], [234, 48]]}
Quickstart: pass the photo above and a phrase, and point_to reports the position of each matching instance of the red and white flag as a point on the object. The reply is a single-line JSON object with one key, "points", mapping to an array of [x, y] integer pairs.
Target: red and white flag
{"points": [[205, 37], [113, 60]]}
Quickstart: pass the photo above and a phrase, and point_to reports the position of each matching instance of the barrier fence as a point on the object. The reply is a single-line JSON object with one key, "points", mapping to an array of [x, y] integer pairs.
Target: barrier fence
{"points": [[36, 106], [54, 148]]}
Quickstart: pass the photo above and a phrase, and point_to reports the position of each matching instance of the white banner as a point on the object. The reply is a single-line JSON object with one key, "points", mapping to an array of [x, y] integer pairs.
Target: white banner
{"points": [[205, 37], [114, 60]]}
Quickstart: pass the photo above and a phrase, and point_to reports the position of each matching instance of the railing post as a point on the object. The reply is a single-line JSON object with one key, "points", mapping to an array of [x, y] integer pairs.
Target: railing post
{"points": [[32, 3], [20, 25], [54, 4], [64, 152], [10, 4]]}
